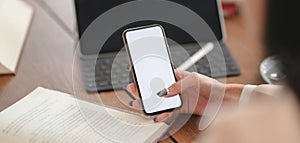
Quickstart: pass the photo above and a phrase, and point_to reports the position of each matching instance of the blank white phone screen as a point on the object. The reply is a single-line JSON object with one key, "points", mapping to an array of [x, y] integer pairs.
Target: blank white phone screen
{"points": [[152, 67]]}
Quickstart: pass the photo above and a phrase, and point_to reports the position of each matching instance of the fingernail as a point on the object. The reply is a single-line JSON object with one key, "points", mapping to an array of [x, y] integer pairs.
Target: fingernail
{"points": [[135, 104], [130, 103], [163, 92], [128, 87]]}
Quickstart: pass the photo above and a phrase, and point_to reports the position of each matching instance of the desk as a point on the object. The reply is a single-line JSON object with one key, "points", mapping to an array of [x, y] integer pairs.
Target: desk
{"points": [[47, 60]]}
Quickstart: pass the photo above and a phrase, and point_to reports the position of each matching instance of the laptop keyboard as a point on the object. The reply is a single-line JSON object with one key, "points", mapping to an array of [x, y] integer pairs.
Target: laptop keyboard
{"points": [[112, 72]]}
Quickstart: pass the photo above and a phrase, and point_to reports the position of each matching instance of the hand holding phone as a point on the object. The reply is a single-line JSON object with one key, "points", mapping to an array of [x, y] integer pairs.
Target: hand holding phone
{"points": [[151, 67]]}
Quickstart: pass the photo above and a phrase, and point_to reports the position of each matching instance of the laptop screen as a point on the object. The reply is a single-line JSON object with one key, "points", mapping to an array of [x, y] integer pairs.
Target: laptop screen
{"points": [[88, 10]]}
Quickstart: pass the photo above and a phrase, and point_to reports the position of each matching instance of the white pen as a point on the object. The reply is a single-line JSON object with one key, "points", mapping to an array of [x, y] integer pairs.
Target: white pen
{"points": [[197, 56]]}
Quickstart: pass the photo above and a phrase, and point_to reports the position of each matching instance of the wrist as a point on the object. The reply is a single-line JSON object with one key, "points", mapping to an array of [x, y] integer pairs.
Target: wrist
{"points": [[233, 92]]}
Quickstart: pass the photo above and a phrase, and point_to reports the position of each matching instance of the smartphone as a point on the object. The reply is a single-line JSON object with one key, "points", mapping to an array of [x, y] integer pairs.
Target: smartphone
{"points": [[151, 67]]}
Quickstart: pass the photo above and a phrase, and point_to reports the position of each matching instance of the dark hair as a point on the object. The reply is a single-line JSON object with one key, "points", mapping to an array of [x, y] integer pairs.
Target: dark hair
{"points": [[283, 40]]}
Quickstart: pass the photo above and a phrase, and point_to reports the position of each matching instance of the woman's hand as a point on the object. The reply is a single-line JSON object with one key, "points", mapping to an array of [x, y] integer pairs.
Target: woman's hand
{"points": [[195, 90]]}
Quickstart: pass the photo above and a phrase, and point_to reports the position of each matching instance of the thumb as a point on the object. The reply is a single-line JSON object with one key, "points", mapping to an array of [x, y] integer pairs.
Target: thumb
{"points": [[174, 89], [182, 85]]}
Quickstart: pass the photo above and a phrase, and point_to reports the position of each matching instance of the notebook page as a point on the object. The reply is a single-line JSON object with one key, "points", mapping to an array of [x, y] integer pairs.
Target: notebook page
{"points": [[51, 116]]}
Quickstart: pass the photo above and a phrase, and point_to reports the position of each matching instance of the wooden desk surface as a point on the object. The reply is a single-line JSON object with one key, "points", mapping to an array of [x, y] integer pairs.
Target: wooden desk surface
{"points": [[47, 60]]}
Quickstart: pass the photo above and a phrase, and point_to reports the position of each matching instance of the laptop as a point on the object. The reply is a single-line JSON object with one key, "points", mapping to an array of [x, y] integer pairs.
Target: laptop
{"points": [[102, 76]]}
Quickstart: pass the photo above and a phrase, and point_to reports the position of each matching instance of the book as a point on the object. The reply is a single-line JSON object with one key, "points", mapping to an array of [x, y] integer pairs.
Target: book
{"points": [[15, 19], [51, 116]]}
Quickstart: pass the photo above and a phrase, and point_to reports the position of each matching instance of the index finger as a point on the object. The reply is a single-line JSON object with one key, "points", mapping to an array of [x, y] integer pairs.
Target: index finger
{"points": [[133, 90]]}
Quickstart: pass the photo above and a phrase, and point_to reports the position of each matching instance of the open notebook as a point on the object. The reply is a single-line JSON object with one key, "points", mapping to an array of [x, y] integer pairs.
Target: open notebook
{"points": [[51, 116]]}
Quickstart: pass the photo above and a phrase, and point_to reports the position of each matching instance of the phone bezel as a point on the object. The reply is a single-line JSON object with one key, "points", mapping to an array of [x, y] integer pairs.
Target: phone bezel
{"points": [[132, 67]]}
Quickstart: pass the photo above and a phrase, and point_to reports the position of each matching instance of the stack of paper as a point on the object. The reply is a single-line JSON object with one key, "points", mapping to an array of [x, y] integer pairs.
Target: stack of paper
{"points": [[15, 19]]}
